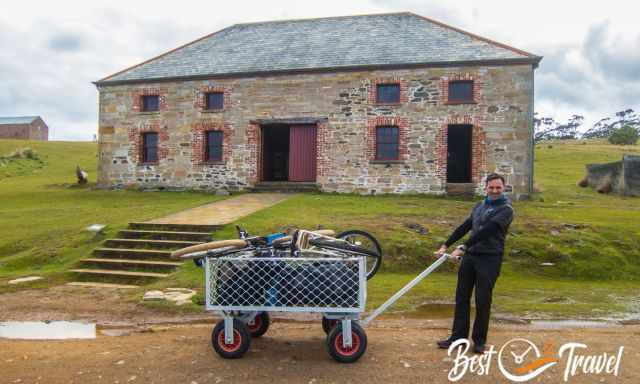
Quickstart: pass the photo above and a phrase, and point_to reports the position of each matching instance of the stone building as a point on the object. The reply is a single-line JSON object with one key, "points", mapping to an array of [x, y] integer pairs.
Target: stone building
{"points": [[388, 103], [24, 128]]}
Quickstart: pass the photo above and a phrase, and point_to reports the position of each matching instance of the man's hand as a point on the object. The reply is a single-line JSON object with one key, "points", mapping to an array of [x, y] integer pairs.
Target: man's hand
{"points": [[441, 251], [457, 253]]}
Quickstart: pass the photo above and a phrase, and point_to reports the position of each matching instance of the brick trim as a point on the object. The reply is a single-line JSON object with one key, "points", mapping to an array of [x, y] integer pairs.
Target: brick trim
{"points": [[254, 160], [136, 98], [136, 145], [403, 127], [199, 139], [323, 160], [444, 87], [373, 90], [200, 101], [478, 148]]}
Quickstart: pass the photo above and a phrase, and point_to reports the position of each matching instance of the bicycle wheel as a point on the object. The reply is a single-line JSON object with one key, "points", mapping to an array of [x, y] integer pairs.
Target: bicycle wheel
{"points": [[365, 243]]}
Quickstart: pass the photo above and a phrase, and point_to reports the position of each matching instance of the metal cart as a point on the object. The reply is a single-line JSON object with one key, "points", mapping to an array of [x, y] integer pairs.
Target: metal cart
{"points": [[244, 290]]}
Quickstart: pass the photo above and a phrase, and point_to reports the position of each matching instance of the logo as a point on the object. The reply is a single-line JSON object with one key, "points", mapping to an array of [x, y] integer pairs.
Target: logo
{"points": [[520, 360]]}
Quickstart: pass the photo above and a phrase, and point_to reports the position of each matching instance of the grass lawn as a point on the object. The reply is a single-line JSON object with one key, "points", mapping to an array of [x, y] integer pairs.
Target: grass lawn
{"points": [[596, 258], [43, 212], [593, 240]]}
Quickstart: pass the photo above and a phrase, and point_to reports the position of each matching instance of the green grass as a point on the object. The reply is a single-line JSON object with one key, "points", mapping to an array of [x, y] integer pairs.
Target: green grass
{"points": [[43, 212], [596, 271], [596, 266]]}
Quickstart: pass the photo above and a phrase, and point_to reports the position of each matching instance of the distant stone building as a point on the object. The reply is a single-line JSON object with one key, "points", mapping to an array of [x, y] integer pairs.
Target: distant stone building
{"points": [[389, 103], [24, 128]]}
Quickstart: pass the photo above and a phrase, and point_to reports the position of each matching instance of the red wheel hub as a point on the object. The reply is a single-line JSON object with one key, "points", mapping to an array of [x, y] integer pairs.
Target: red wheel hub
{"points": [[347, 351], [255, 324], [237, 340]]}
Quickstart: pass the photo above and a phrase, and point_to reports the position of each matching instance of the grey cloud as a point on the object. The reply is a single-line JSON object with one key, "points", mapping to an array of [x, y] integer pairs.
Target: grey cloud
{"points": [[611, 55], [66, 42]]}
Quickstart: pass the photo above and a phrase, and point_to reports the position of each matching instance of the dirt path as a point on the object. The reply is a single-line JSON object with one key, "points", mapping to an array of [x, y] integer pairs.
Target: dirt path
{"points": [[400, 350]]}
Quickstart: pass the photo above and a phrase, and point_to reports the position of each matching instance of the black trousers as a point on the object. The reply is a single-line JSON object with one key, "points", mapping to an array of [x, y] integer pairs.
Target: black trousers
{"points": [[481, 272]]}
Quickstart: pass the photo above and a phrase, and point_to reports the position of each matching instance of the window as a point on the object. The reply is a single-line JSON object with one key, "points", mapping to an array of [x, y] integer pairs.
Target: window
{"points": [[214, 146], [215, 100], [150, 147], [388, 93], [150, 103], [387, 143], [461, 91]]}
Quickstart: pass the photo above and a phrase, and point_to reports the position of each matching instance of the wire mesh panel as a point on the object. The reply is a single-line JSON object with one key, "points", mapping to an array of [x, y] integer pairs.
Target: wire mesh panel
{"points": [[286, 284]]}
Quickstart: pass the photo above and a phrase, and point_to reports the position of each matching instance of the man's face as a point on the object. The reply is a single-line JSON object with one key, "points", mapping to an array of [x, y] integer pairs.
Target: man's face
{"points": [[494, 189]]}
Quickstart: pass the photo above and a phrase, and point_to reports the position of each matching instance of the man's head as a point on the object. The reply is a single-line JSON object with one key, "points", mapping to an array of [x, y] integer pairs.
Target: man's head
{"points": [[494, 186]]}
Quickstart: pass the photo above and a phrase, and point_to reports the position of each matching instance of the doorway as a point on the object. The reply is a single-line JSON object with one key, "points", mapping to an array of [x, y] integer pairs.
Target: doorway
{"points": [[289, 152], [275, 153], [459, 153]]}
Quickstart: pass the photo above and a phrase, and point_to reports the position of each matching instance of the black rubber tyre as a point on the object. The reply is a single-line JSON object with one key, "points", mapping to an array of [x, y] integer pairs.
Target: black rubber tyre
{"points": [[259, 325], [374, 256], [328, 324], [347, 355], [241, 340]]}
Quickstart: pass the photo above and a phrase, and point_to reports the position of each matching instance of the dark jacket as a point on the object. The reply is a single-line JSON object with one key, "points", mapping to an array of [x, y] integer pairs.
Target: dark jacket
{"points": [[489, 222]]}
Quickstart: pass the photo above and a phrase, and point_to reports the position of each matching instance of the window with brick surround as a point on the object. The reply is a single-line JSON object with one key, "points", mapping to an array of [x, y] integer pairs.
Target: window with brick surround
{"points": [[461, 91], [214, 146], [214, 101], [387, 143], [150, 147], [388, 93], [150, 103]]}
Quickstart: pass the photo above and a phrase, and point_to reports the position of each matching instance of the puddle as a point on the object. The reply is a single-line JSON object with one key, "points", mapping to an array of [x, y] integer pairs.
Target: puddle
{"points": [[40, 330], [562, 324]]}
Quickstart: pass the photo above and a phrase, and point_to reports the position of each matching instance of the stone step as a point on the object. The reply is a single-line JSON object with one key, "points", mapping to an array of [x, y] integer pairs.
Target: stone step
{"points": [[461, 189], [149, 243], [175, 227], [110, 272], [124, 253], [126, 263], [285, 186], [164, 235], [90, 284]]}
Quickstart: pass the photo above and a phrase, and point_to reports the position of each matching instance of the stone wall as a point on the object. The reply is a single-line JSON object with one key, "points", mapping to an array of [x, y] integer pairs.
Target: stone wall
{"points": [[345, 103]]}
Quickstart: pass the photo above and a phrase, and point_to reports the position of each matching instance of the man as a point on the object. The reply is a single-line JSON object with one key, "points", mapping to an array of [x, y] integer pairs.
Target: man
{"points": [[480, 267]]}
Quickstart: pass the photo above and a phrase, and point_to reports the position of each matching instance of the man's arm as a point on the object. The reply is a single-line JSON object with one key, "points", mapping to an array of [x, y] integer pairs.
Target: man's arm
{"points": [[460, 231], [499, 222]]}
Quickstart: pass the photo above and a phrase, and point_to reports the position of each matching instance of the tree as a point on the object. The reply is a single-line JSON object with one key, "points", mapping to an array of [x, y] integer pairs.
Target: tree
{"points": [[625, 135], [605, 127], [546, 128]]}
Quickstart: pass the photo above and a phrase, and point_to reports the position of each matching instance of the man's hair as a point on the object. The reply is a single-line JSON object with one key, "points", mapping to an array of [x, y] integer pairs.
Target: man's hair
{"points": [[494, 176]]}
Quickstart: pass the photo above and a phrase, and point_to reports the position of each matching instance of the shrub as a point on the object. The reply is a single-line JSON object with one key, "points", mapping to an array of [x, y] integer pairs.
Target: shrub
{"points": [[625, 135]]}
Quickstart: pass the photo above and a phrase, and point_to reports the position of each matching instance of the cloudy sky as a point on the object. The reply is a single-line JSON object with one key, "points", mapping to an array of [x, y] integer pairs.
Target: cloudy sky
{"points": [[51, 51]]}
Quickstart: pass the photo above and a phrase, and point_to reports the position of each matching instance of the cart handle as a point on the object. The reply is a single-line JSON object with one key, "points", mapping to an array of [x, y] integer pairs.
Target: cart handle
{"points": [[407, 287]]}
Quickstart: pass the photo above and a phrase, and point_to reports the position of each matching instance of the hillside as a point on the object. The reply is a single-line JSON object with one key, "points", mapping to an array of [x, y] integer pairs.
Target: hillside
{"points": [[43, 212]]}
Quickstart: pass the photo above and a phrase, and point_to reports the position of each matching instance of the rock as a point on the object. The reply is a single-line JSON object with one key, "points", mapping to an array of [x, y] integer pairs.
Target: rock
{"points": [[222, 192], [121, 362], [555, 232], [418, 228], [547, 264], [25, 279], [153, 295]]}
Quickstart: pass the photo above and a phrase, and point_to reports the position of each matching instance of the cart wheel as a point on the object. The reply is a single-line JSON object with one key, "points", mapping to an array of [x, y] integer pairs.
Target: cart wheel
{"points": [[241, 340], [358, 344], [365, 240], [259, 325], [328, 324]]}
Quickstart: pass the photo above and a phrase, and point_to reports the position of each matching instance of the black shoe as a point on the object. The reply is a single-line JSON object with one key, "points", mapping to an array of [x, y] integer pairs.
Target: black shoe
{"points": [[478, 348], [444, 344]]}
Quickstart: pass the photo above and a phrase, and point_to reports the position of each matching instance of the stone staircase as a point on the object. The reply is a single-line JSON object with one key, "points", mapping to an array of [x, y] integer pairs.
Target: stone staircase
{"points": [[139, 255]]}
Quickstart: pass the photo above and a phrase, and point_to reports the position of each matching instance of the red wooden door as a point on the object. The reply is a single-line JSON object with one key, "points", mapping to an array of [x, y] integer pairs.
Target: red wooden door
{"points": [[302, 153]]}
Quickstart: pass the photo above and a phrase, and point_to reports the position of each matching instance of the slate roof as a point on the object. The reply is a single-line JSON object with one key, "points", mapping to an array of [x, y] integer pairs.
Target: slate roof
{"points": [[17, 120], [382, 40]]}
